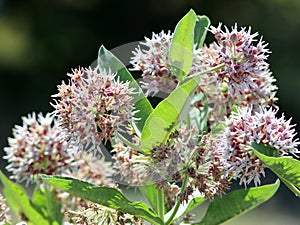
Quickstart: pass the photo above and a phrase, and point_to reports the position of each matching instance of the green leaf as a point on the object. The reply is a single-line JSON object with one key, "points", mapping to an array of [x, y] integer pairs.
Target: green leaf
{"points": [[105, 196], [286, 168], [194, 203], [45, 202], [236, 203], [167, 114], [150, 193], [202, 23], [181, 51], [19, 201], [108, 61], [265, 149]]}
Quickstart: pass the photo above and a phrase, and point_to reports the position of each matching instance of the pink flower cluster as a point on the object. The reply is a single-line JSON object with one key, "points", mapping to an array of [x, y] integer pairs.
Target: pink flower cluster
{"points": [[154, 62], [245, 78], [35, 148], [246, 126], [92, 107]]}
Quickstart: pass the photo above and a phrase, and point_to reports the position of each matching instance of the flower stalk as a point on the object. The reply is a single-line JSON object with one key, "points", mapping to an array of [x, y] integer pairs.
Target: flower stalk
{"points": [[176, 207]]}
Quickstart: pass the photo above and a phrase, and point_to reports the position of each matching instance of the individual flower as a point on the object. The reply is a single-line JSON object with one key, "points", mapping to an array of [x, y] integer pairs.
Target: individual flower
{"points": [[92, 107], [4, 217], [154, 62], [35, 148], [245, 78], [100, 215], [246, 126]]}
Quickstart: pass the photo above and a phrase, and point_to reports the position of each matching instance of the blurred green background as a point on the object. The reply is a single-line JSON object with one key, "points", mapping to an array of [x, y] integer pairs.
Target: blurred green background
{"points": [[40, 41]]}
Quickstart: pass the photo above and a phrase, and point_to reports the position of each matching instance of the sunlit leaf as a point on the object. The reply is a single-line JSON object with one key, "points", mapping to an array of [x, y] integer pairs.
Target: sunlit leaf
{"points": [[286, 168], [46, 203], [167, 114], [181, 52], [236, 203], [105, 196], [19, 201]]}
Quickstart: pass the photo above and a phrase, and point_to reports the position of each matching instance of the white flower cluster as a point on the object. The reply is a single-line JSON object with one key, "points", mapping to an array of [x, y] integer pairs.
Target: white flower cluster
{"points": [[154, 61], [92, 107], [246, 126], [36, 148]]}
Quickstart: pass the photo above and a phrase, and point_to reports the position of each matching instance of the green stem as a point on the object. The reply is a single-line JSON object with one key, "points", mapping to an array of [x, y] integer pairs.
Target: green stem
{"points": [[222, 65], [188, 121], [160, 203], [183, 186], [128, 143]]}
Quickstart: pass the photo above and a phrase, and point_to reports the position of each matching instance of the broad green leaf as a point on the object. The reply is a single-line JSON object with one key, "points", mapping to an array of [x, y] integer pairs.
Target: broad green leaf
{"points": [[45, 202], [167, 114], [19, 201], [202, 23], [181, 51], [286, 168], [105, 196], [236, 203], [150, 193], [108, 61]]}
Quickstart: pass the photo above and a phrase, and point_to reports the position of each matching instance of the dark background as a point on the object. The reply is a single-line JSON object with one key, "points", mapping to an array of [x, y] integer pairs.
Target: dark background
{"points": [[40, 41]]}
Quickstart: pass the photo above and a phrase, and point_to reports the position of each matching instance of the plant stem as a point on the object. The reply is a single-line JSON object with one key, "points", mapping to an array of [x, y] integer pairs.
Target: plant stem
{"points": [[128, 143], [183, 186], [222, 65], [160, 203], [188, 121]]}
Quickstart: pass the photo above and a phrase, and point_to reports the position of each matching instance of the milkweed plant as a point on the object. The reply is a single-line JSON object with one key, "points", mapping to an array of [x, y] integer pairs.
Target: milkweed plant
{"points": [[218, 123]]}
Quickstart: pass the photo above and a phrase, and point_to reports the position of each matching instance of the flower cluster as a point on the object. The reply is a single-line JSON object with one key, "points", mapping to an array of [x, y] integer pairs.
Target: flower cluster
{"points": [[4, 217], [92, 107], [94, 169], [207, 170], [130, 164], [36, 149], [246, 126], [154, 62], [184, 156], [101, 215], [245, 78]]}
